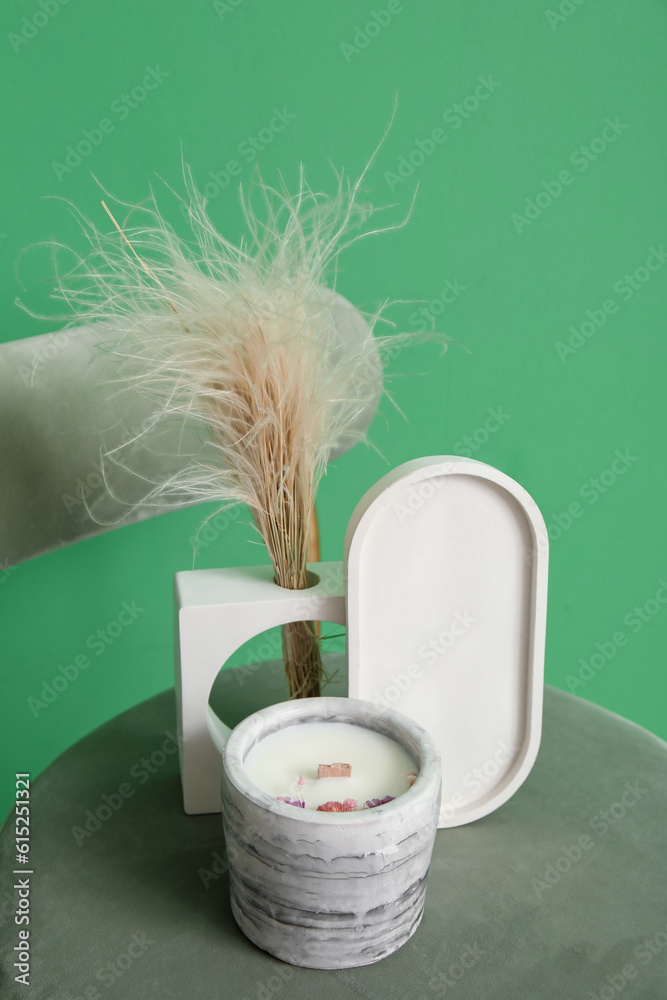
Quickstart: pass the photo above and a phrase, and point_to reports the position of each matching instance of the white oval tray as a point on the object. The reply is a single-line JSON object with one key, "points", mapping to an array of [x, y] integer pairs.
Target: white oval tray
{"points": [[446, 580]]}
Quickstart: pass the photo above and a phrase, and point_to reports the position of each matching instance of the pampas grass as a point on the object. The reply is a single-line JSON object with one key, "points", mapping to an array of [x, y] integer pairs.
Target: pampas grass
{"points": [[240, 339]]}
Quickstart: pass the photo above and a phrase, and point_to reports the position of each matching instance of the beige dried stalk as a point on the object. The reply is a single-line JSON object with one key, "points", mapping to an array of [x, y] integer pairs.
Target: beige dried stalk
{"points": [[241, 341], [284, 494]]}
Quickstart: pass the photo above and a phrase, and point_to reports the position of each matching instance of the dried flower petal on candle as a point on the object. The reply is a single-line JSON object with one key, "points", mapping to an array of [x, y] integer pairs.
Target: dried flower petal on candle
{"points": [[372, 803], [292, 802], [412, 777], [301, 802], [338, 807]]}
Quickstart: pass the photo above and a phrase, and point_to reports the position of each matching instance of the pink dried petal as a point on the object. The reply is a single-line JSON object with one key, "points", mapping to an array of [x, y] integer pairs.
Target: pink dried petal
{"points": [[337, 807], [292, 802]]}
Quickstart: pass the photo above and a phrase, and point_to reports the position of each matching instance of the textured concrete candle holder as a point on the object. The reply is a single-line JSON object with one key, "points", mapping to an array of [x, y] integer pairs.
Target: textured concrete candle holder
{"points": [[329, 890]]}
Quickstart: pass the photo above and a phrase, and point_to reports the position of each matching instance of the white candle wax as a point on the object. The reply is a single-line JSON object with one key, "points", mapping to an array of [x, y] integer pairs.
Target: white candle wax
{"points": [[380, 767]]}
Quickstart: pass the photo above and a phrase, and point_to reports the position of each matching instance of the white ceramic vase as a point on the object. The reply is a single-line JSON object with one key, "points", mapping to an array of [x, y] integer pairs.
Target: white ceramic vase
{"points": [[216, 611]]}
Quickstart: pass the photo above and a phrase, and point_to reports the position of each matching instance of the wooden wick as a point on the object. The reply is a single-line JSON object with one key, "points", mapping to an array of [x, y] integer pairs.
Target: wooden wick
{"points": [[334, 770]]}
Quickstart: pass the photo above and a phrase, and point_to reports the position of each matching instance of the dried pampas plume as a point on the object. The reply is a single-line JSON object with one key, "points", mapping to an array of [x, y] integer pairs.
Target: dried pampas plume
{"points": [[241, 340]]}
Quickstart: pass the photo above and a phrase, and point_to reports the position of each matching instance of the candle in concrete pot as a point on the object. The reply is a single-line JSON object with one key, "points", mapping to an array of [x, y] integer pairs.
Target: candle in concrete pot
{"points": [[288, 764], [338, 888]]}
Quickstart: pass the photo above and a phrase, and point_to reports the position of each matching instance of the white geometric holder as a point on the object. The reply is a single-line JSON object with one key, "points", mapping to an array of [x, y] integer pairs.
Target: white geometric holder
{"points": [[444, 599], [215, 612]]}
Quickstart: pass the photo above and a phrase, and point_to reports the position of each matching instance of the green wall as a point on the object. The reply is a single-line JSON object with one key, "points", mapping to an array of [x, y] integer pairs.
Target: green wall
{"points": [[537, 138]]}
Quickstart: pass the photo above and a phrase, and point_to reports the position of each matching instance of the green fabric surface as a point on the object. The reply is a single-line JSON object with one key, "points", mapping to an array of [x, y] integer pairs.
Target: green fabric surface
{"points": [[559, 894]]}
